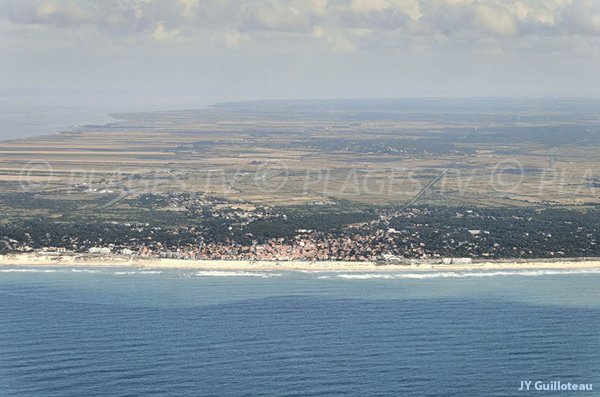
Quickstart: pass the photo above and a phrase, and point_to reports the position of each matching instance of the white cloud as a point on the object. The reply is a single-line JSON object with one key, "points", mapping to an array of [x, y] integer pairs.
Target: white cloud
{"points": [[62, 12], [367, 6], [233, 39], [341, 44], [277, 16], [583, 17], [319, 6], [188, 7], [161, 33], [302, 47], [345, 26], [495, 19], [411, 7], [318, 31], [336, 40]]}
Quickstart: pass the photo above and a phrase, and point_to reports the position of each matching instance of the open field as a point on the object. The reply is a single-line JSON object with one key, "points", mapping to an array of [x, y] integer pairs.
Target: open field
{"points": [[286, 153]]}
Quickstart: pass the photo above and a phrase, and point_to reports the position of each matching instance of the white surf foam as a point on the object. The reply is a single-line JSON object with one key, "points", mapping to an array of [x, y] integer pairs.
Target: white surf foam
{"points": [[84, 271], [365, 276], [501, 273], [131, 272], [28, 270], [218, 273], [432, 275]]}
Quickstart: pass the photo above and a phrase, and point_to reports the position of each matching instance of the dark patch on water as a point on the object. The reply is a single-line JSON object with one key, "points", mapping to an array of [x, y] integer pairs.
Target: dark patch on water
{"points": [[53, 344]]}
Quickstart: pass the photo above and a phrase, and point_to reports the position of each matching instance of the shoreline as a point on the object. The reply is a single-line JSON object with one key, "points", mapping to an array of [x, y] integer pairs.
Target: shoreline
{"points": [[67, 260]]}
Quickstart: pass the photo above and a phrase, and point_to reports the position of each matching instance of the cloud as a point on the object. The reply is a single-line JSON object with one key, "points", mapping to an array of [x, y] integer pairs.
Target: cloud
{"points": [[345, 25], [494, 19], [233, 39], [367, 6], [342, 44], [277, 16], [188, 7], [70, 13], [336, 41], [285, 48], [411, 8], [162, 33], [582, 17]]}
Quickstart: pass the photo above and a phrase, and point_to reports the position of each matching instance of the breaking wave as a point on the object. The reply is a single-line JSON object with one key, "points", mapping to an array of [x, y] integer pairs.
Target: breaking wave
{"points": [[124, 273], [365, 276], [218, 273], [501, 273], [432, 275]]}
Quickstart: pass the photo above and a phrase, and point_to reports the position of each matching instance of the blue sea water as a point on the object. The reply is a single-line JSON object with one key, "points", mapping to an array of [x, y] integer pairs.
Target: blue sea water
{"points": [[23, 119], [132, 332]]}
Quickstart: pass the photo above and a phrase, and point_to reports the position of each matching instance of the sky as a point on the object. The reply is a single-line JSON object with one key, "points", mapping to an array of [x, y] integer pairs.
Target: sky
{"points": [[182, 53]]}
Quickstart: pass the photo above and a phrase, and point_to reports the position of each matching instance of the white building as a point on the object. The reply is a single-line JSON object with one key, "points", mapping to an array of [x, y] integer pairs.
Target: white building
{"points": [[99, 250]]}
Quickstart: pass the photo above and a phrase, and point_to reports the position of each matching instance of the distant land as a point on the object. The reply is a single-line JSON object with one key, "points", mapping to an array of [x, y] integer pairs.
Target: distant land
{"points": [[314, 180]]}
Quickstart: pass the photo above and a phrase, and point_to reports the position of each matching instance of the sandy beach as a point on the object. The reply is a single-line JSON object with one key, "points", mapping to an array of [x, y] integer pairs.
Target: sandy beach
{"points": [[155, 263]]}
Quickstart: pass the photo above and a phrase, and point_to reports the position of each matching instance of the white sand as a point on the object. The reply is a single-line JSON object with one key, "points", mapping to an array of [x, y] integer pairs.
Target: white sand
{"points": [[151, 263]]}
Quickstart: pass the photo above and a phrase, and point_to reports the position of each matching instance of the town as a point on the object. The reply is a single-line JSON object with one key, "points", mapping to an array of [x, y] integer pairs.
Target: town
{"points": [[196, 226]]}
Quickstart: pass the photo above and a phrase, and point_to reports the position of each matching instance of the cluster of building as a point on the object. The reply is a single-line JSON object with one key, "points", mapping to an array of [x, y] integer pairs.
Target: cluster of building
{"points": [[394, 235], [198, 204]]}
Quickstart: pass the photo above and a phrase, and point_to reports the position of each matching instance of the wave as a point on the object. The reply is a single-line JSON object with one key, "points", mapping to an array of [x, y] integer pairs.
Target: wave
{"points": [[431, 275], [365, 276], [125, 273], [346, 276], [218, 273], [501, 273]]}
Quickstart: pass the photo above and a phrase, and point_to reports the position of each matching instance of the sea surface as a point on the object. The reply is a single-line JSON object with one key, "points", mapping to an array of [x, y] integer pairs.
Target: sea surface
{"points": [[30, 116], [22, 119], [132, 332]]}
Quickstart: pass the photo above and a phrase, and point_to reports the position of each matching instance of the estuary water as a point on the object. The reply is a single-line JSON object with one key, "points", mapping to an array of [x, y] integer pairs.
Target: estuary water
{"points": [[116, 332]]}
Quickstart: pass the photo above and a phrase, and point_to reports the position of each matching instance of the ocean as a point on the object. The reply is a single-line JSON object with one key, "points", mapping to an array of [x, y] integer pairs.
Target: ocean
{"points": [[24, 119], [117, 332]]}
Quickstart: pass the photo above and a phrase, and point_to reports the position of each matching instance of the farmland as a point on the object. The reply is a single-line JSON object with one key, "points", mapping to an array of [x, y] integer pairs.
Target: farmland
{"points": [[296, 152], [257, 172]]}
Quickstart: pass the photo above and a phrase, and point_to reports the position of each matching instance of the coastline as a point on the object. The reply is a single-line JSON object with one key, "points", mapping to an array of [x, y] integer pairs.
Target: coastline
{"points": [[84, 260]]}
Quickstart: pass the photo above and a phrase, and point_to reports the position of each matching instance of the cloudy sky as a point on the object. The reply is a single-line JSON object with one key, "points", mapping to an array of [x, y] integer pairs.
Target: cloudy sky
{"points": [[211, 50]]}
